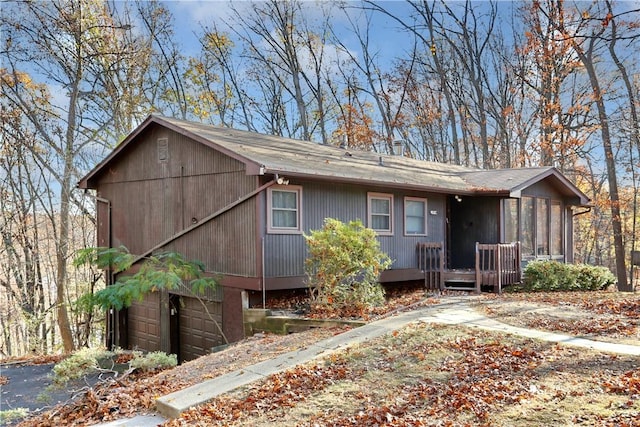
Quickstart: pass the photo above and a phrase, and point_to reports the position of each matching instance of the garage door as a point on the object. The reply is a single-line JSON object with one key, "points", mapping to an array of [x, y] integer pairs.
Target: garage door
{"points": [[198, 332], [144, 323]]}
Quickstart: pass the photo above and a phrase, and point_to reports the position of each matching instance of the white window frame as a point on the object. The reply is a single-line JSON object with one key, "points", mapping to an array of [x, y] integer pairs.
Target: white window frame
{"points": [[284, 230], [426, 213], [380, 196]]}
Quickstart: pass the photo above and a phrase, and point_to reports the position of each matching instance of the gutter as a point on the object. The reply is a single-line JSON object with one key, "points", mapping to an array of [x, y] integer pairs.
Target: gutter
{"points": [[575, 214]]}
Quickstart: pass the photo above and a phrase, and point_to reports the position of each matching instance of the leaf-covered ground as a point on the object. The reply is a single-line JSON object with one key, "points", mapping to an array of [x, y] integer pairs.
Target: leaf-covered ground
{"points": [[435, 375], [421, 376], [604, 316]]}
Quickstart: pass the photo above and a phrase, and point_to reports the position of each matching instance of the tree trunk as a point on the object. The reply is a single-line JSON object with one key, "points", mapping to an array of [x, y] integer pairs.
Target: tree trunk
{"points": [[616, 219]]}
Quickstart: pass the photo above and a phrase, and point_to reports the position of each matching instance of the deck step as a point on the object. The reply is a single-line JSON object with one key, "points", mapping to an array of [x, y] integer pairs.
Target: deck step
{"points": [[456, 288]]}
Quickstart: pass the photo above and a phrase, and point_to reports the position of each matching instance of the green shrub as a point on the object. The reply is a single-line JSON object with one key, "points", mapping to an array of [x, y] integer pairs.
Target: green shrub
{"points": [[594, 278], [343, 267], [546, 275], [9, 415], [79, 364], [88, 361], [152, 361]]}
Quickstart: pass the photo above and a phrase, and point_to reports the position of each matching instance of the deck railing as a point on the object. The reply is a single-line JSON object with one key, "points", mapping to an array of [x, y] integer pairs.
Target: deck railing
{"points": [[431, 263], [496, 265]]}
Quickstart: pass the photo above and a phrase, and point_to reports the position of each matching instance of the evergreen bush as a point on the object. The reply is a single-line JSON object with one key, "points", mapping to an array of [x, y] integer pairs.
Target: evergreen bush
{"points": [[343, 267], [547, 275]]}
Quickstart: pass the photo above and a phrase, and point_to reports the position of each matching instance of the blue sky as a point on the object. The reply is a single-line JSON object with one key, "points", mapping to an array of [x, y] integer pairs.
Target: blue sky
{"points": [[191, 15]]}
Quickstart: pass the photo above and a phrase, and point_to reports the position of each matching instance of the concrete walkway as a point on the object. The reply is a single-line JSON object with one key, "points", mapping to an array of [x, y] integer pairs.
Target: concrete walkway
{"points": [[452, 311], [462, 314]]}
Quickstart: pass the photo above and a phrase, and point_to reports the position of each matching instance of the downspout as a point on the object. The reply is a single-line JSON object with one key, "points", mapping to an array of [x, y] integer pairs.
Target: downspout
{"points": [[582, 213], [109, 275], [263, 281]]}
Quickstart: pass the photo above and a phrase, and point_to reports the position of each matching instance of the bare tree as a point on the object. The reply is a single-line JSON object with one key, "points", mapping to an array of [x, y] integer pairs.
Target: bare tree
{"points": [[22, 252], [159, 61], [584, 38], [268, 30], [88, 57], [218, 84]]}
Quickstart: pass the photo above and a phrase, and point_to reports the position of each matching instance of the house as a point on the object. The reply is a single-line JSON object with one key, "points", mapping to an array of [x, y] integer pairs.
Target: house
{"points": [[240, 202]]}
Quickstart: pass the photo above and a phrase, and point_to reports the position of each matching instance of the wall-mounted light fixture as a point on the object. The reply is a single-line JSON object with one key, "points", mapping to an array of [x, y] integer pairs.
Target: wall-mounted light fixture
{"points": [[281, 180], [458, 198]]}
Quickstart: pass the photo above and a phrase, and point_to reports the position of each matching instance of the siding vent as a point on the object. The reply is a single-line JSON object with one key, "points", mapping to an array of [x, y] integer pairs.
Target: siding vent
{"points": [[163, 150]]}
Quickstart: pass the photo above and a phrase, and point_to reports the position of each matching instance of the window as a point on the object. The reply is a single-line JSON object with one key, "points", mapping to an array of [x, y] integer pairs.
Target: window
{"points": [[527, 216], [510, 213], [284, 209], [542, 227], [556, 228], [415, 216], [380, 212]]}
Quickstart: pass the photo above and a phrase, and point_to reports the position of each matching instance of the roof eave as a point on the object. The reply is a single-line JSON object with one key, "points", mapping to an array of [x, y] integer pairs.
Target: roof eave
{"points": [[85, 182], [385, 184], [581, 198], [252, 168]]}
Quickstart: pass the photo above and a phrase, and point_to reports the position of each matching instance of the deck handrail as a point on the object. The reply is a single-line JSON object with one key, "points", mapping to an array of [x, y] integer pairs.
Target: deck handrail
{"points": [[431, 264], [498, 264]]}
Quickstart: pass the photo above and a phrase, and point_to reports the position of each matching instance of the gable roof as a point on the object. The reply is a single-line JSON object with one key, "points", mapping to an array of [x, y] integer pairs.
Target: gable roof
{"points": [[268, 154]]}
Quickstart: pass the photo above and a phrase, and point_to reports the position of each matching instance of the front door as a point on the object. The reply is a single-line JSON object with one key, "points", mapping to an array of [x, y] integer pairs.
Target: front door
{"points": [[471, 220]]}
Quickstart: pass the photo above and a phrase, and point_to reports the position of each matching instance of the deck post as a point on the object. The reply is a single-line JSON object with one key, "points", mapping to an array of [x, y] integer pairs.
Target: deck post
{"points": [[518, 261], [499, 269], [441, 284], [478, 273]]}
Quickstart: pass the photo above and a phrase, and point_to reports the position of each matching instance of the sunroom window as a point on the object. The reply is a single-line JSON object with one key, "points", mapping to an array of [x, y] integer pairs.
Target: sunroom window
{"points": [[537, 223]]}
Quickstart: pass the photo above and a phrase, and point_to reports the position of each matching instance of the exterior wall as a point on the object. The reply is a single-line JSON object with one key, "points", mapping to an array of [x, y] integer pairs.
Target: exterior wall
{"points": [[152, 199], [232, 314], [154, 193], [542, 189], [285, 253]]}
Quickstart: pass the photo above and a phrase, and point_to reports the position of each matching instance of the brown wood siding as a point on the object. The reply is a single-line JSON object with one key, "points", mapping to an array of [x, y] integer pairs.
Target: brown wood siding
{"points": [[225, 244], [214, 294], [232, 314], [153, 200], [542, 189], [104, 223], [144, 323]]}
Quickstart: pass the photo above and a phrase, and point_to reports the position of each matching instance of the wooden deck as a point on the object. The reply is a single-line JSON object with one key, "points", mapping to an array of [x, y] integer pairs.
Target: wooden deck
{"points": [[496, 265]]}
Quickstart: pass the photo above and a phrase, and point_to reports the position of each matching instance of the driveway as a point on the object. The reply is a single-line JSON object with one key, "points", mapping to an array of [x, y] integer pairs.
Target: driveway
{"points": [[27, 388]]}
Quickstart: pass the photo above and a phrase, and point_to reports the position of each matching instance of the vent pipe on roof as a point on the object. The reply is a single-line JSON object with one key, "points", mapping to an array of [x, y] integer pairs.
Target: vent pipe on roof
{"points": [[380, 161], [398, 147], [344, 143]]}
